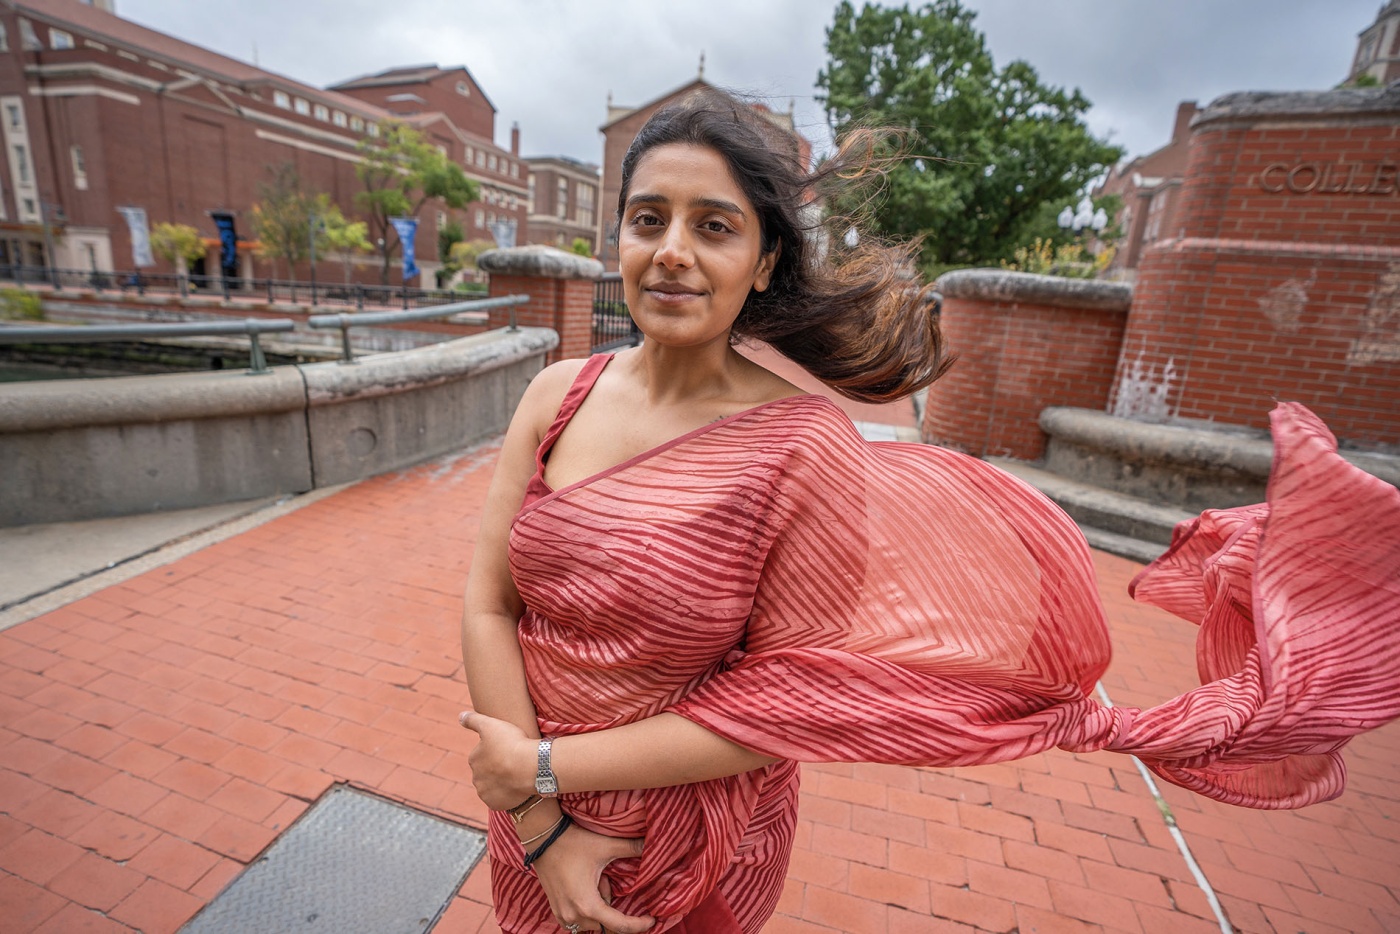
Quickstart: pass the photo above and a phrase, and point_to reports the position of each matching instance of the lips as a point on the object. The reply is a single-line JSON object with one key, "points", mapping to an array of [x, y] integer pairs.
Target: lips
{"points": [[671, 288]]}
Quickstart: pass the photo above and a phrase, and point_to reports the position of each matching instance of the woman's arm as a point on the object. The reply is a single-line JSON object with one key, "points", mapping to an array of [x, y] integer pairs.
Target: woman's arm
{"points": [[571, 871], [657, 752]]}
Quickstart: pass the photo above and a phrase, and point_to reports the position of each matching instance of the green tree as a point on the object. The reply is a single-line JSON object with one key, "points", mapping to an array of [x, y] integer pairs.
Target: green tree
{"points": [[464, 255], [179, 244], [401, 171], [449, 235], [344, 239], [581, 246], [984, 148], [283, 215]]}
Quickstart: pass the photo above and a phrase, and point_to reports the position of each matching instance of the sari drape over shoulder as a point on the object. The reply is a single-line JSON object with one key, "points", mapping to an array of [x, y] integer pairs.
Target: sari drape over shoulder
{"points": [[816, 597]]}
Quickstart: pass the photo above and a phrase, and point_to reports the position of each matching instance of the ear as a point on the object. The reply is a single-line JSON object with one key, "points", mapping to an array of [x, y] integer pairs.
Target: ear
{"points": [[766, 263]]}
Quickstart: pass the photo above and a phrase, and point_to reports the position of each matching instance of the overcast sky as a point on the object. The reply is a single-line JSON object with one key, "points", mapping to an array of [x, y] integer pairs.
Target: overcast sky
{"points": [[550, 64]]}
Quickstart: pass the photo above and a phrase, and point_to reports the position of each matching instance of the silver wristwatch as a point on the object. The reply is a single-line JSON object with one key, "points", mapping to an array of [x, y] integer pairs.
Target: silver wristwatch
{"points": [[546, 786]]}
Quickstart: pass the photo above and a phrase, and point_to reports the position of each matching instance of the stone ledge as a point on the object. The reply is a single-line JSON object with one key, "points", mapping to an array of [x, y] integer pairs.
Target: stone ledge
{"points": [[1248, 106], [1237, 450], [540, 262], [1006, 286]]}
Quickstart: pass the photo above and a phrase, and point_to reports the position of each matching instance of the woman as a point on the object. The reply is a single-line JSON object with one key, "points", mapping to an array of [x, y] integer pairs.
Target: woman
{"points": [[690, 576]]}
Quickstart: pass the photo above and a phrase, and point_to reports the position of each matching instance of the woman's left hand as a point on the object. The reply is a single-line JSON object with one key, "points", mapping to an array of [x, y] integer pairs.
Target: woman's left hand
{"points": [[503, 762]]}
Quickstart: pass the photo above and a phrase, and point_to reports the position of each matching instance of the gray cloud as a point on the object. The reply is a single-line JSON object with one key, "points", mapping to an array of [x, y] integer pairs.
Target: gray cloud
{"points": [[550, 64]]}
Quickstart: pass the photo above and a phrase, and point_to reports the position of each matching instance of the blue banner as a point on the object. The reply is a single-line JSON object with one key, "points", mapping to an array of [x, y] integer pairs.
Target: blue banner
{"points": [[228, 244], [407, 228]]}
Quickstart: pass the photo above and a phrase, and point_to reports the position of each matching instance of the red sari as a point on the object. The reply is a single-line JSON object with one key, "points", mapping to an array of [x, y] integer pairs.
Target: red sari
{"points": [[816, 597]]}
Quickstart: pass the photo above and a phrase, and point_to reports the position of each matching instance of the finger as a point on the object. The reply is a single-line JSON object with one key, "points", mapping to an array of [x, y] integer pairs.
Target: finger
{"points": [[626, 847], [618, 923], [468, 719]]}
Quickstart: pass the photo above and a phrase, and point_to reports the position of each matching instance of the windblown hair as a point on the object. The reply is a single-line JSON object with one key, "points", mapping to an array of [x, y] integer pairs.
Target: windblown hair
{"points": [[854, 316]]}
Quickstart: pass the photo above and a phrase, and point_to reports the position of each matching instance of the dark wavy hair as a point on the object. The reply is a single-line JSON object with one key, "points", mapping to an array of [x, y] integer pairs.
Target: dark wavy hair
{"points": [[853, 316]]}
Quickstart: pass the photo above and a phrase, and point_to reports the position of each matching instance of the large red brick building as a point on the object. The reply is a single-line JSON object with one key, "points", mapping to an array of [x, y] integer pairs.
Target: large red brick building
{"points": [[98, 112], [1150, 187], [563, 201], [621, 128]]}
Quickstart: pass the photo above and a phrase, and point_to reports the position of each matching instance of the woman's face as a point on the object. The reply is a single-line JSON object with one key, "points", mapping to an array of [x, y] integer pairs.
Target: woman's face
{"points": [[689, 246]]}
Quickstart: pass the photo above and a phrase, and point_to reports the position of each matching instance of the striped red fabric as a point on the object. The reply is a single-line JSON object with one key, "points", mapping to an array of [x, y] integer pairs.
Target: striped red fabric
{"points": [[813, 596]]}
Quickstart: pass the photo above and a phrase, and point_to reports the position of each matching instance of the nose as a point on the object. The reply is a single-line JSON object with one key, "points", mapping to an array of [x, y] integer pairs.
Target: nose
{"points": [[674, 251]]}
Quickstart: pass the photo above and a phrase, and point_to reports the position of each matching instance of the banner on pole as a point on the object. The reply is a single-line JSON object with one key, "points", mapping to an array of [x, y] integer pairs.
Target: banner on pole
{"points": [[228, 243], [407, 228], [503, 232], [140, 236]]}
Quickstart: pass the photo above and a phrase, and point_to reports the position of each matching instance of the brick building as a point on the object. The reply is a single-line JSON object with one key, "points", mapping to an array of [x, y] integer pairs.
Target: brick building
{"points": [[563, 201], [1150, 186], [98, 112], [449, 107], [1378, 47], [621, 128]]}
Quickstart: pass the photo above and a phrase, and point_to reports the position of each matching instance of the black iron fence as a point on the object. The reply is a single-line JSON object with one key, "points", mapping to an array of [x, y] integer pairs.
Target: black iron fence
{"points": [[268, 290], [613, 326]]}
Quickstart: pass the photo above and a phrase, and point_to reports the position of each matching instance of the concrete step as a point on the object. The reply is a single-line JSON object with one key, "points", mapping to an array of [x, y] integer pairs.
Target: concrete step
{"points": [[1121, 524]]}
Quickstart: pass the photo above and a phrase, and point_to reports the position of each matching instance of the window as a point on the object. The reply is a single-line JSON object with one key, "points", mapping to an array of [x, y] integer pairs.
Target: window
{"points": [[515, 170], [585, 204], [480, 159], [282, 99], [464, 89], [79, 168], [321, 112], [442, 149], [27, 36], [12, 114], [4, 38], [490, 218], [58, 39], [470, 152], [491, 162], [21, 164], [30, 207], [372, 129], [302, 106], [357, 124], [530, 197], [561, 202], [480, 217], [338, 118]]}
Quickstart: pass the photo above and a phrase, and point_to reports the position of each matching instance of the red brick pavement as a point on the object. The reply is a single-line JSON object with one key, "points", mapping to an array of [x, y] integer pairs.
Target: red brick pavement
{"points": [[159, 734]]}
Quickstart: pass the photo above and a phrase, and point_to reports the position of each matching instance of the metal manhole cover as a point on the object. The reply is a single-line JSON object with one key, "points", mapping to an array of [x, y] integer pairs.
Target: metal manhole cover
{"points": [[353, 862]]}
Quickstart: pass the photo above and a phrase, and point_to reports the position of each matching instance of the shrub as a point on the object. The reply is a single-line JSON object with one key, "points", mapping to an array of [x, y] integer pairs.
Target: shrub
{"points": [[20, 305]]}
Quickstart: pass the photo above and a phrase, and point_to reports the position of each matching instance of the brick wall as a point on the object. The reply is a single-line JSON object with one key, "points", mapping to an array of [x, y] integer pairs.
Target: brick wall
{"points": [[566, 305], [1014, 359], [1285, 282]]}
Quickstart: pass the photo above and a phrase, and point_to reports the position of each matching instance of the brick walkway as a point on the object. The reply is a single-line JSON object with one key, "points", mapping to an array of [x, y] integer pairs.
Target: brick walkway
{"points": [[159, 734]]}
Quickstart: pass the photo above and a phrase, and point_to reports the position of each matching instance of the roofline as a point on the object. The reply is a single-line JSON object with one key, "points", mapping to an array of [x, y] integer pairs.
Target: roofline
{"points": [[406, 68], [670, 93]]}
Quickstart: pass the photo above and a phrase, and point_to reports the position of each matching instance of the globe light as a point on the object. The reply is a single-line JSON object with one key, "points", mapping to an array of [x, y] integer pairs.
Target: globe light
{"points": [[1066, 218], [1100, 220]]}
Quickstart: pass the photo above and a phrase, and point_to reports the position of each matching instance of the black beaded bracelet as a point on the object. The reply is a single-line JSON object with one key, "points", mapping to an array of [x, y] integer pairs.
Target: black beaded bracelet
{"points": [[564, 823]]}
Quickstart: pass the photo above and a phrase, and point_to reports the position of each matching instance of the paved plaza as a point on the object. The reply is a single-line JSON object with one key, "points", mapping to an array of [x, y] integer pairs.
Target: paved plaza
{"points": [[159, 733]]}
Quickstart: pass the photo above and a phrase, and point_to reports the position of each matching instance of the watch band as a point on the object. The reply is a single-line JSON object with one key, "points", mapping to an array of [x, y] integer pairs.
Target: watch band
{"points": [[546, 785]]}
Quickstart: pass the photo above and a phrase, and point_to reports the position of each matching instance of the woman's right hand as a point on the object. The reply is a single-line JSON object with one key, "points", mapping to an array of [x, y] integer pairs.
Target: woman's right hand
{"points": [[571, 874]]}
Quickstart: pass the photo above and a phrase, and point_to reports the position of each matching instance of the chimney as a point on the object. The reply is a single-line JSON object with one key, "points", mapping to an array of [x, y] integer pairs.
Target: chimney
{"points": [[1185, 112], [515, 139]]}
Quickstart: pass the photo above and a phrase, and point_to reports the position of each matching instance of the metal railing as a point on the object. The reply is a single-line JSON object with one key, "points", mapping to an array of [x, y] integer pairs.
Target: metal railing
{"points": [[252, 327], [360, 319], [270, 290], [613, 326]]}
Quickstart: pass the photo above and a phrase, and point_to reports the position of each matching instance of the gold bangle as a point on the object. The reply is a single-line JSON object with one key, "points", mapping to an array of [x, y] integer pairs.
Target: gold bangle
{"points": [[518, 815], [541, 836]]}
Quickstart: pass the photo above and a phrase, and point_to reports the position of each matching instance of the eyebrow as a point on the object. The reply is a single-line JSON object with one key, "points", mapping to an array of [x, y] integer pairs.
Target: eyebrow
{"points": [[717, 204]]}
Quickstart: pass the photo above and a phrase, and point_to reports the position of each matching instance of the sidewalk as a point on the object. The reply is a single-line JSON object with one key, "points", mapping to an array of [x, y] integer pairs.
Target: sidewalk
{"points": [[157, 735]]}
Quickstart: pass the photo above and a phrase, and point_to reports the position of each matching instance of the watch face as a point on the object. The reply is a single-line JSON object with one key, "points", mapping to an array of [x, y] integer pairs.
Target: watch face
{"points": [[546, 785]]}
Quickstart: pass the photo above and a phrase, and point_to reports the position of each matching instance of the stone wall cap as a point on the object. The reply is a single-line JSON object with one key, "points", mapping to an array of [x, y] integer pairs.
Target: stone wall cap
{"points": [[1263, 105], [1189, 443], [1005, 285], [539, 261]]}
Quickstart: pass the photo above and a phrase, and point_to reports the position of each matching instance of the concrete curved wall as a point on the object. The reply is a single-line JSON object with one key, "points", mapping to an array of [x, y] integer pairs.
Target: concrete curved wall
{"points": [[82, 449]]}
